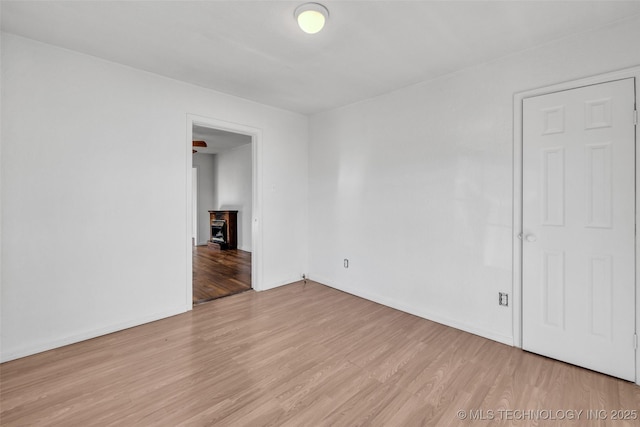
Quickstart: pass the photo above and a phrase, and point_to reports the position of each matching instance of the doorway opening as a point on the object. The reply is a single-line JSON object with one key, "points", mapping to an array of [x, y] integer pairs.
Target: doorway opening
{"points": [[223, 228]]}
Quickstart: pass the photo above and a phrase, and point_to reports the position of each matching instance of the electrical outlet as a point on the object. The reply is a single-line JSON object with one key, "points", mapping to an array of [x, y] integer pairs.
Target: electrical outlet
{"points": [[503, 299], [346, 263]]}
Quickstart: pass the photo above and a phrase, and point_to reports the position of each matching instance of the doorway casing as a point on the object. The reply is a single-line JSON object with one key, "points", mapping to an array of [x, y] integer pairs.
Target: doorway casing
{"points": [[194, 190], [256, 220], [518, 191]]}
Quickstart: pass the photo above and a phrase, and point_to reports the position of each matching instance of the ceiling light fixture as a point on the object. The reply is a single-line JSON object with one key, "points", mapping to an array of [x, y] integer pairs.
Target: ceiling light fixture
{"points": [[311, 17]]}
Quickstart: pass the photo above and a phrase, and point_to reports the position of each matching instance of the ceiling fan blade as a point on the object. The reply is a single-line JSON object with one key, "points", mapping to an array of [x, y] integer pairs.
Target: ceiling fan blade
{"points": [[199, 144]]}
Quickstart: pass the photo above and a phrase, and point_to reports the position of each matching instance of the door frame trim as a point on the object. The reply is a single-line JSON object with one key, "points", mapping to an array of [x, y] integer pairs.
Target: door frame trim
{"points": [[256, 220], [194, 202], [518, 98]]}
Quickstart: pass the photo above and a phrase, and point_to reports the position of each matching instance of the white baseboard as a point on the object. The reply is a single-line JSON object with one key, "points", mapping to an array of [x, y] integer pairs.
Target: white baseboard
{"points": [[280, 283], [425, 314], [86, 335]]}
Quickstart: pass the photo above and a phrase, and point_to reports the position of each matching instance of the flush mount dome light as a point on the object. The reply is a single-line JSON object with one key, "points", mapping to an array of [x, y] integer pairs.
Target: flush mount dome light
{"points": [[311, 17]]}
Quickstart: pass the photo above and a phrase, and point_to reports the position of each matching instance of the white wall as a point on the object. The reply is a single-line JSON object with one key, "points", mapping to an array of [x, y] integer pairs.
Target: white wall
{"points": [[94, 182], [91, 245], [415, 186], [234, 189], [206, 165]]}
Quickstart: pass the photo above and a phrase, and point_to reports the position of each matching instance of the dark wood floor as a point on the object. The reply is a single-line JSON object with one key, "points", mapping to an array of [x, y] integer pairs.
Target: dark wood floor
{"points": [[219, 273], [304, 355]]}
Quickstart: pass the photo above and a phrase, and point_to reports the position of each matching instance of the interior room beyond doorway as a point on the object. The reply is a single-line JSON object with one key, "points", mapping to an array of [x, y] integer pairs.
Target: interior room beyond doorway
{"points": [[222, 162]]}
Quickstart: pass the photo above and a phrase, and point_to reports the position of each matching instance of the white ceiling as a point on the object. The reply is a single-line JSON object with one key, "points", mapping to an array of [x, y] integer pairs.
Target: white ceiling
{"points": [[217, 140], [254, 49]]}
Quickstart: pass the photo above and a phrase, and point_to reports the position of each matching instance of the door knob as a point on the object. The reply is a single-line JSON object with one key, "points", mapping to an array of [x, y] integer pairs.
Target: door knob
{"points": [[531, 238]]}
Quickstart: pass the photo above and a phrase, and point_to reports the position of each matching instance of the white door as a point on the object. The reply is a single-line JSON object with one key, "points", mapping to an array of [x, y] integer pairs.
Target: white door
{"points": [[579, 227]]}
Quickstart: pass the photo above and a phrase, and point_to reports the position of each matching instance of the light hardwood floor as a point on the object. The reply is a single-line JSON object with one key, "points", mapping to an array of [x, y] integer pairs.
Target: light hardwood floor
{"points": [[299, 355]]}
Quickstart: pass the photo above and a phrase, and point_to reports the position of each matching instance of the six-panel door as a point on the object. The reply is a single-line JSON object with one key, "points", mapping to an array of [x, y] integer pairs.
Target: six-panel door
{"points": [[579, 227]]}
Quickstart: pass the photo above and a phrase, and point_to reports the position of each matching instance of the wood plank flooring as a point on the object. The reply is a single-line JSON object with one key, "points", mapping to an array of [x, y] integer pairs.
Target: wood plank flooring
{"points": [[302, 355], [218, 273]]}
